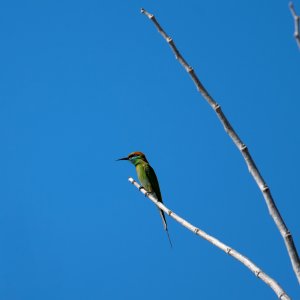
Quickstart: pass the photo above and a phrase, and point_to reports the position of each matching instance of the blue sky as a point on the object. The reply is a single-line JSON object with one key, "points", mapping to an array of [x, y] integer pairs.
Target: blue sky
{"points": [[84, 83]]}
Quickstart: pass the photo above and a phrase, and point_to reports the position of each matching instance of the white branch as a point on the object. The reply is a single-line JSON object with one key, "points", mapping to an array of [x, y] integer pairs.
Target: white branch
{"points": [[273, 210], [281, 294], [296, 23]]}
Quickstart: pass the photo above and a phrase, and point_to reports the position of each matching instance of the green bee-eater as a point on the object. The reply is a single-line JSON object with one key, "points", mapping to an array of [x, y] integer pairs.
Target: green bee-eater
{"points": [[148, 179]]}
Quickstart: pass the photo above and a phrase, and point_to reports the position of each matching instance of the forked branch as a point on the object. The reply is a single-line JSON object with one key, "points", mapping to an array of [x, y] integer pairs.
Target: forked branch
{"points": [[273, 210], [296, 23], [281, 294]]}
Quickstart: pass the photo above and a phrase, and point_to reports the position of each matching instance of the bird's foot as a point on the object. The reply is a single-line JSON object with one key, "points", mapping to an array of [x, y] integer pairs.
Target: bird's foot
{"points": [[147, 194]]}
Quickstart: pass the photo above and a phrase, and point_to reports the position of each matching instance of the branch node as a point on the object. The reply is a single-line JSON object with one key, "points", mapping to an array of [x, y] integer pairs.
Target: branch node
{"points": [[196, 230], [257, 272], [169, 212], [281, 294], [287, 234], [243, 148], [169, 39], [217, 107], [190, 69], [228, 250], [265, 188]]}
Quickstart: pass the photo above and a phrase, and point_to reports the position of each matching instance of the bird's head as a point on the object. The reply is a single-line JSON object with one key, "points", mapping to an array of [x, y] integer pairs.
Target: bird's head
{"points": [[135, 158]]}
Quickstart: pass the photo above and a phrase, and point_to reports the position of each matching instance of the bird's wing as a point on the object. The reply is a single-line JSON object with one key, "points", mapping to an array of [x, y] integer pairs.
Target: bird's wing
{"points": [[155, 188], [153, 181]]}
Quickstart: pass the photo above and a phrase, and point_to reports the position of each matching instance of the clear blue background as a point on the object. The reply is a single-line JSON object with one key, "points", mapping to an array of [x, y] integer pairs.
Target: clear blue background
{"points": [[83, 83]]}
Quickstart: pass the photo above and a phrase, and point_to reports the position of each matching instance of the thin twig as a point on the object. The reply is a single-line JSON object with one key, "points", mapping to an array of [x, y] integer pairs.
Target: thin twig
{"points": [[296, 22], [281, 294], [285, 233]]}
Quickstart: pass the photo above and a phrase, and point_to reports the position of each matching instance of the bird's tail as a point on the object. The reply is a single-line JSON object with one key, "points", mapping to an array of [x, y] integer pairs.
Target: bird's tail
{"points": [[163, 217]]}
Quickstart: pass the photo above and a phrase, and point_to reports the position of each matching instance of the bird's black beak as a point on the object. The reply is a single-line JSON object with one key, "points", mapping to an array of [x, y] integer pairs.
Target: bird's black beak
{"points": [[124, 158]]}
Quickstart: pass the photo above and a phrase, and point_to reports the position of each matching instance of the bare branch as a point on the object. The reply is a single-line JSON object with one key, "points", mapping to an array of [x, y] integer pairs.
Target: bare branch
{"points": [[281, 294], [296, 22], [273, 210]]}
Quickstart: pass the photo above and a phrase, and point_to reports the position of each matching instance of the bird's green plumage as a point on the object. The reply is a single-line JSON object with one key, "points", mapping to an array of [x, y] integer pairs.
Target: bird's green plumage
{"points": [[148, 179]]}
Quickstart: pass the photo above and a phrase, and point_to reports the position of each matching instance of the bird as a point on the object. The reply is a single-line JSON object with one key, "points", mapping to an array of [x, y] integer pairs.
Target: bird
{"points": [[148, 179]]}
